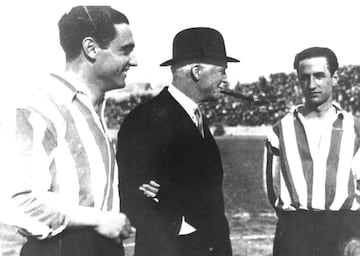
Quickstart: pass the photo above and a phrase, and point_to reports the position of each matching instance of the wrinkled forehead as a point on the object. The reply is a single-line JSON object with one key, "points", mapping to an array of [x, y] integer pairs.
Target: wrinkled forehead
{"points": [[203, 61]]}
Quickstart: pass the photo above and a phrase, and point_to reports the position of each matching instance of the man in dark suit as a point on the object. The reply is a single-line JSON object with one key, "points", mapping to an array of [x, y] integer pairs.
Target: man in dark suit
{"points": [[167, 142]]}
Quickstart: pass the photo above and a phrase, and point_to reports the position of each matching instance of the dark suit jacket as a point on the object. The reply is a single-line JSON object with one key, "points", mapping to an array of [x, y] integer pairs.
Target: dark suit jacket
{"points": [[159, 141]]}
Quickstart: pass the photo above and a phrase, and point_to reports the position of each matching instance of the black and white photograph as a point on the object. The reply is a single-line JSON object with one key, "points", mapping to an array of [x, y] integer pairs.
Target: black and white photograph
{"points": [[180, 128]]}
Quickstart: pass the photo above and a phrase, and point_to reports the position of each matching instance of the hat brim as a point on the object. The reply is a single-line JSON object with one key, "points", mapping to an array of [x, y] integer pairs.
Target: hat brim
{"points": [[172, 61]]}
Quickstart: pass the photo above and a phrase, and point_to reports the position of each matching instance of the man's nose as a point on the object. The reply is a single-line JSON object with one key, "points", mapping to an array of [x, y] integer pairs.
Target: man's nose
{"points": [[312, 82], [133, 60], [225, 79]]}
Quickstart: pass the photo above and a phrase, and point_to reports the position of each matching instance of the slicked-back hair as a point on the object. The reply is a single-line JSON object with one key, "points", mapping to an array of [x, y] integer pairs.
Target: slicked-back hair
{"points": [[318, 52], [88, 21]]}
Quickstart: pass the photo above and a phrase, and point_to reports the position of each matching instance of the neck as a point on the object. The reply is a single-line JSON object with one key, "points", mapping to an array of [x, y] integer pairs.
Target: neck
{"points": [[310, 111], [188, 89], [81, 72]]}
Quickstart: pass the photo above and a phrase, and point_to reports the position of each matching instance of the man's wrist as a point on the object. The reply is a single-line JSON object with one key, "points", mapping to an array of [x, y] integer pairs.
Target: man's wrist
{"points": [[84, 216]]}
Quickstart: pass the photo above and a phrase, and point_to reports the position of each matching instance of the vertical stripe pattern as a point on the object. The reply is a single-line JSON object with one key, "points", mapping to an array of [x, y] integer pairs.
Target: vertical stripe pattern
{"points": [[332, 162], [287, 175], [321, 178], [60, 157], [306, 159]]}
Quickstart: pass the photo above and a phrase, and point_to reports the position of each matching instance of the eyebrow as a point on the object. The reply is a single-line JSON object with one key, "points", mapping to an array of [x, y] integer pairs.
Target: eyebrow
{"points": [[129, 46], [315, 73]]}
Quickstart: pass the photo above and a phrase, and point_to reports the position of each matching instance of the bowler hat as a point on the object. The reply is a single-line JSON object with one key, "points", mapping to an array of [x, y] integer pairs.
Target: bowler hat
{"points": [[198, 43]]}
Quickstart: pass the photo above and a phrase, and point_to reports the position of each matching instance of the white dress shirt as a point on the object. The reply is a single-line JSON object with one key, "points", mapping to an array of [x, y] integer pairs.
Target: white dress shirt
{"points": [[189, 106]]}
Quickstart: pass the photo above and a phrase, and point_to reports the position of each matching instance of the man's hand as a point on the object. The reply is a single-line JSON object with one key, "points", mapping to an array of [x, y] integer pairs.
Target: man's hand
{"points": [[114, 225], [150, 190]]}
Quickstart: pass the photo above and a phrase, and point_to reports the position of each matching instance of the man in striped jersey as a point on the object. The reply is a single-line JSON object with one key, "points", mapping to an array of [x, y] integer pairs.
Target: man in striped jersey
{"points": [[59, 180], [313, 165]]}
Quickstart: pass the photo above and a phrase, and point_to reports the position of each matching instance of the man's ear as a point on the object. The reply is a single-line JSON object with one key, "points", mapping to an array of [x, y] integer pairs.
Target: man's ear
{"points": [[89, 47], [335, 78], [195, 71]]}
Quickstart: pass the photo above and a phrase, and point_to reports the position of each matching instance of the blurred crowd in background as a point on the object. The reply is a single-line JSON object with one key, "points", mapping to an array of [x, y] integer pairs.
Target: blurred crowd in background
{"points": [[280, 90]]}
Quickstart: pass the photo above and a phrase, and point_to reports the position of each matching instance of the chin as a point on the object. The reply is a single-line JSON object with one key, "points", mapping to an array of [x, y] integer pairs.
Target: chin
{"points": [[216, 95], [314, 103], [211, 98], [119, 85]]}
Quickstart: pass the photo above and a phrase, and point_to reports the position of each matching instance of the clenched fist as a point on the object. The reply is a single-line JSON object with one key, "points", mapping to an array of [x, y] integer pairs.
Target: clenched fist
{"points": [[114, 226]]}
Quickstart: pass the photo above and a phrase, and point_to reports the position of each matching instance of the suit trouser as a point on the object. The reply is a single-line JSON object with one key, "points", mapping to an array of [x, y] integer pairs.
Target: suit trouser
{"points": [[195, 244], [316, 233], [192, 244]]}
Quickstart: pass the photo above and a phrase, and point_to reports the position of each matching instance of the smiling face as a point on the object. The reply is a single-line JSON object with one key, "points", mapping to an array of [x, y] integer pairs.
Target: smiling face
{"points": [[112, 63], [316, 81]]}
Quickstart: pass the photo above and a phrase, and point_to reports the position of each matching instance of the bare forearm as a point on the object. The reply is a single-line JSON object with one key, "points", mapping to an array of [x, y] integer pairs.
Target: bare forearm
{"points": [[53, 215], [109, 224]]}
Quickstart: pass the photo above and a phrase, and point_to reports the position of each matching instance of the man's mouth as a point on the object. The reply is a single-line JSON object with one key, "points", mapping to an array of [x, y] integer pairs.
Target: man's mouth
{"points": [[314, 94], [124, 72]]}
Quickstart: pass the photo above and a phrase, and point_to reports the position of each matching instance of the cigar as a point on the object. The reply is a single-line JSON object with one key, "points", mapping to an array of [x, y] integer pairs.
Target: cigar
{"points": [[238, 95]]}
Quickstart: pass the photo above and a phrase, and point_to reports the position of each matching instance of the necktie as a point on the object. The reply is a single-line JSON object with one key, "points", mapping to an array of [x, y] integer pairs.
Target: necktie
{"points": [[199, 120]]}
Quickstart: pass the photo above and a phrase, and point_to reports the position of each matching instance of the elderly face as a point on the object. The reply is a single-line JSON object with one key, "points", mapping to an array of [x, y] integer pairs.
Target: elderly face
{"points": [[211, 78], [316, 81], [113, 63]]}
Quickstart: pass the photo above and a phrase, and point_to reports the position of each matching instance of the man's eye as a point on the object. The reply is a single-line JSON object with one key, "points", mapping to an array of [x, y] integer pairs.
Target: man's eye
{"points": [[303, 78], [318, 76], [126, 50]]}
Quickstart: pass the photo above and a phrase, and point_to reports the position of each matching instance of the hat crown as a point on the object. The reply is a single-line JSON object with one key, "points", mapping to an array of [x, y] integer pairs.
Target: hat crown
{"points": [[199, 43]]}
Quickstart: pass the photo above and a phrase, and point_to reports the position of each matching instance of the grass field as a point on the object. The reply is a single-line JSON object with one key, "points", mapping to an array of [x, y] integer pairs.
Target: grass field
{"points": [[251, 218]]}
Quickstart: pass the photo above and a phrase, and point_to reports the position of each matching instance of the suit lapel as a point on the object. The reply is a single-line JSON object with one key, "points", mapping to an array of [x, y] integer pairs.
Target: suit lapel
{"points": [[180, 116]]}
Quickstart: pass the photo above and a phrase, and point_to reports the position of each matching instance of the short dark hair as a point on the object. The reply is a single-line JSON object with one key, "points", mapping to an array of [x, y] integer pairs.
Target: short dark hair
{"points": [[318, 52], [88, 21]]}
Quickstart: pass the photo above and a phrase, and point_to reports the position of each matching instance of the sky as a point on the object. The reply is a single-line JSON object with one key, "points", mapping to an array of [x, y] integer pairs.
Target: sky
{"points": [[264, 35]]}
